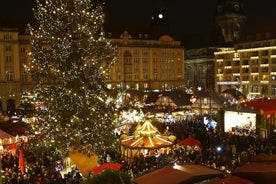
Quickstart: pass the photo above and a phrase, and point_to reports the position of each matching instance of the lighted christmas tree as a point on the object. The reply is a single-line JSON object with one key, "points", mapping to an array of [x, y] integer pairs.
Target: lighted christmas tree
{"points": [[70, 61]]}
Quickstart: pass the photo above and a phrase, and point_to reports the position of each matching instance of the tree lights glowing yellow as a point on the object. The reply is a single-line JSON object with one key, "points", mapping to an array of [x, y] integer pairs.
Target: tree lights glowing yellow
{"points": [[70, 60]]}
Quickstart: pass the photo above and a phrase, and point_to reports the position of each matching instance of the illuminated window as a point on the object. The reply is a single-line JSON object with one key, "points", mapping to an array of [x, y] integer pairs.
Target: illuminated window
{"points": [[9, 75], [146, 85]]}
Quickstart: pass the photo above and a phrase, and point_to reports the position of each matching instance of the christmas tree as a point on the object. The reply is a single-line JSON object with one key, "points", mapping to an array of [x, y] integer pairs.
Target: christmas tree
{"points": [[71, 59]]}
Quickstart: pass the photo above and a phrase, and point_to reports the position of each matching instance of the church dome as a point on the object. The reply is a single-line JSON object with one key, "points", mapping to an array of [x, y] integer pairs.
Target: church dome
{"points": [[166, 38]]}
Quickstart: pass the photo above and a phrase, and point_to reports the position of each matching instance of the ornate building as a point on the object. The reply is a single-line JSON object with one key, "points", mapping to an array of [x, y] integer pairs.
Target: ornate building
{"points": [[148, 64], [199, 68], [13, 56], [230, 19], [143, 64], [250, 66], [199, 62]]}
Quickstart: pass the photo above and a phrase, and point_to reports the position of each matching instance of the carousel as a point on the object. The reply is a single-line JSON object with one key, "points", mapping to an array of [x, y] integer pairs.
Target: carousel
{"points": [[146, 140]]}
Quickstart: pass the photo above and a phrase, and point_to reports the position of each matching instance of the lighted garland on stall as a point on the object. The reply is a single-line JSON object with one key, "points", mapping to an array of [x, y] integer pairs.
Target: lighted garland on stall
{"points": [[70, 61]]}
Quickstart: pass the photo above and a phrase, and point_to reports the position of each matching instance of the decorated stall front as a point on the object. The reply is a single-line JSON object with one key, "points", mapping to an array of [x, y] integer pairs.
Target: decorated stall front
{"points": [[146, 140]]}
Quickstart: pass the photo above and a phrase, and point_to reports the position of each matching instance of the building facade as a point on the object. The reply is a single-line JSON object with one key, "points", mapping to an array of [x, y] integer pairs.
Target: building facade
{"points": [[13, 56], [249, 67], [230, 19], [199, 68], [143, 64]]}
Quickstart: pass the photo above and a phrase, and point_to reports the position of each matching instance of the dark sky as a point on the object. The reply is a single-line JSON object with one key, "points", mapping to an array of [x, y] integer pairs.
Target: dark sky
{"points": [[189, 20]]}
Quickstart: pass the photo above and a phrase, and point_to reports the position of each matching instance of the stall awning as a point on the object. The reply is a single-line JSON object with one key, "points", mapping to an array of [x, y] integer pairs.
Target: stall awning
{"points": [[267, 107]]}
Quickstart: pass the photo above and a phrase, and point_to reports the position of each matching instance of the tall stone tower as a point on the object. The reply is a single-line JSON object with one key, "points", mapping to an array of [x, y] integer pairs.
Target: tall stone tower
{"points": [[230, 19]]}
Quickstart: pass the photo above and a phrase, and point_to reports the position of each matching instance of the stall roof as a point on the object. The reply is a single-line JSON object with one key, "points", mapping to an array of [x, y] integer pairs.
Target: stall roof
{"points": [[179, 174], [4, 135], [231, 180], [267, 107], [259, 172]]}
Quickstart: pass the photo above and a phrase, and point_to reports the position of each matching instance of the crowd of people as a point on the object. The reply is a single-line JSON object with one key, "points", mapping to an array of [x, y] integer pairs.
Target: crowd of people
{"points": [[218, 149], [38, 170]]}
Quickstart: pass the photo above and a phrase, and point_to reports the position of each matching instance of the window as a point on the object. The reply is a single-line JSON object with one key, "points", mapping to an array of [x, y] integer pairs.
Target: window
{"points": [[7, 37], [145, 69], [245, 70], [127, 60], [236, 63], [264, 52], [254, 89], [128, 69], [136, 69], [264, 90], [9, 75], [145, 76], [255, 62], [23, 61], [273, 61], [155, 76], [245, 78], [254, 69], [128, 76], [119, 60], [118, 77], [145, 60], [144, 52], [136, 60], [118, 69], [146, 85], [136, 52], [265, 77], [22, 50], [255, 53], [8, 48], [254, 78], [23, 76], [8, 58], [273, 90], [265, 61], [273, 52], [264, 69]]}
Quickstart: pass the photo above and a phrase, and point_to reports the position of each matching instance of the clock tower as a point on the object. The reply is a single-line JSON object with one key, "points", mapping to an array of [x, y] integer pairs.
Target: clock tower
{"points": [[230, 19]]}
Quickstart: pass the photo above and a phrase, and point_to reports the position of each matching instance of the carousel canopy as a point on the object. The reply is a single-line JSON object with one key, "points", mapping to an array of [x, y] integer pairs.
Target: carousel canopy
{"points": [[146, 136]]}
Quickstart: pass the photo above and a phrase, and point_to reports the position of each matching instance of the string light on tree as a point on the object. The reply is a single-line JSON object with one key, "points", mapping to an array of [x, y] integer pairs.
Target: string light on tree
{"points": [[70, 62]]}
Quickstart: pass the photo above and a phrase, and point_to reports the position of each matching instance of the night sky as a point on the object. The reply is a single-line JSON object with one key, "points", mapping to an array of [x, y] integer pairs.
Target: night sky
{"points": [[189, 20]]}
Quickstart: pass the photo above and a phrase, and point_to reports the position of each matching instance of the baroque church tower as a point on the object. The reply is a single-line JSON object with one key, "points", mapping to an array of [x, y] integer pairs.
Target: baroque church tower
{"points": [[230, 19]]}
